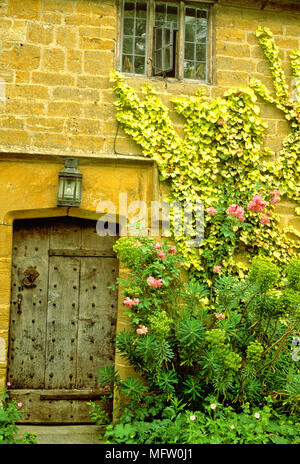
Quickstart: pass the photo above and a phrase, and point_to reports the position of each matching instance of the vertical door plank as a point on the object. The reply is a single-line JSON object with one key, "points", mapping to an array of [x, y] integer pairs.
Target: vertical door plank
{"points": [[62, 320], [28, 307], [97, 318]]}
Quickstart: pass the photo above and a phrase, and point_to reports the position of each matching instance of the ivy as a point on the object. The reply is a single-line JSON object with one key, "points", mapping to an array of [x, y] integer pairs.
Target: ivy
{"points": [[221, 161]]}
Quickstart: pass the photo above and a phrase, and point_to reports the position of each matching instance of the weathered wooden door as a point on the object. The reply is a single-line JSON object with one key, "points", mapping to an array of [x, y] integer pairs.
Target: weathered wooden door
{"points": [[63, 317]]}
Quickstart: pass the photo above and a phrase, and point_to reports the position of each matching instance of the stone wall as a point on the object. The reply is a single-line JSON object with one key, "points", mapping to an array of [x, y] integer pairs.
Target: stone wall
{"points": [[56, 97], [56, 57]]}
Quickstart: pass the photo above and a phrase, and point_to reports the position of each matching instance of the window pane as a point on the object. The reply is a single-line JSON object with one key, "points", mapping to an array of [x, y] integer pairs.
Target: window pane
{"points": [[127, 64], [195, 46], [129, 9], [140, 27], [141, 10], [189, 30], [134, 37], [140, 47], [158, 39], [201, 30], [128, 45], [128, 26], [166, 58], [200, 71], [188, 69], [189, 51], [200, 52], [158, 60], [139, 65], [166, 14]]}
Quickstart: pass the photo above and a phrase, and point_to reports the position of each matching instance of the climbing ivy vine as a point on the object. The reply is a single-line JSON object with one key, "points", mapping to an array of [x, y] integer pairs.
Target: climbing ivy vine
{"points": [[221, 161]]}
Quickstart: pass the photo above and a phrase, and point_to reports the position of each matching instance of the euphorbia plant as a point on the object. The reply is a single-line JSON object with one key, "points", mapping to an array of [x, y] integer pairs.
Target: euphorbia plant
{"points": [[184, 346]]}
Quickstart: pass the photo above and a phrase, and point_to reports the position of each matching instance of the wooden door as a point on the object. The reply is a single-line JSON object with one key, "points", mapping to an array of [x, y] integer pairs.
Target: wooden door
{"points": [[63, 318]]}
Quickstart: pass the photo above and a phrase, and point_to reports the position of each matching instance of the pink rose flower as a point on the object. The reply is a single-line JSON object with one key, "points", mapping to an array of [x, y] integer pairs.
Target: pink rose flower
{"points": [[235, 210], [129, 302], [211, 210], [157, 246], [275, 197], [217, 269], [257, 204], [161, 254], [8, 384], [148, 229], [172, 249], [141, 330], [20, 405], [220, 316], [152, 282], [182, 264], [265, 220]]}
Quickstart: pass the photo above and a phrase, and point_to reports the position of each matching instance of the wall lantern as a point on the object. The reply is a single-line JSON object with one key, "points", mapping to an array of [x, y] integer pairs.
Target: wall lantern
{"points": [[69, 184]]}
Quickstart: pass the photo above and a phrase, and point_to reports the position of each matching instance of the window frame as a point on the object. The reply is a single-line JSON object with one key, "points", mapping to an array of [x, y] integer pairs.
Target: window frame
{"points": [[179, 62]]}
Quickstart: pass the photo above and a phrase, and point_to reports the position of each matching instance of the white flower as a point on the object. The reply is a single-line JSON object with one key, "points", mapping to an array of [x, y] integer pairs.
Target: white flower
{"points": [[257, 415], [232, 427], [213, 406], [192, 417]]}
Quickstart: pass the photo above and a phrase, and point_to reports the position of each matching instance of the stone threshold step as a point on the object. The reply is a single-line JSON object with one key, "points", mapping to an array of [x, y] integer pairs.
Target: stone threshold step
{"points": [[63, 434]]}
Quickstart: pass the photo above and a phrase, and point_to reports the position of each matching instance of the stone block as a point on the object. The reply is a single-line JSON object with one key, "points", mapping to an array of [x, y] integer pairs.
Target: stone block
{"points": [[27, 91], [53, 60], [24, 107], [26, 9], [230, 34], [64, 109], [87, 142], [74, 61], [44, 124], [11, 122], [50, 141], [40, 33], [22, 77], [22, 56], [10, 138], [98, 62], [66, 37], [52, 79], [224, 48], [51, 18]]}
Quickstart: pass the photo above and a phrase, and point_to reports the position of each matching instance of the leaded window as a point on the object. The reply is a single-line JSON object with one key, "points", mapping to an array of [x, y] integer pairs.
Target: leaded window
{"points": [[169, 38]]}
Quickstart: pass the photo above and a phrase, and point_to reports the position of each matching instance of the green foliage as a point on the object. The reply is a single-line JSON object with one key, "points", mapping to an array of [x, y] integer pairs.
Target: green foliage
{"points": [[9, 413], [221, 162], [293, 274], [184, 345], [264, 273], [221, 426]]}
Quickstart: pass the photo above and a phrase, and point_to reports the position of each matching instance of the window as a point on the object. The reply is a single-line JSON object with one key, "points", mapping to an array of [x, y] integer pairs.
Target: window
{"points": [[169, 39]]}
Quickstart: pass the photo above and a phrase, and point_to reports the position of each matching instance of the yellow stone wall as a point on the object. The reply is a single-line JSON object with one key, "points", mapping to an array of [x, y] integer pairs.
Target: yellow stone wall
{"points": [[56, 100]]}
